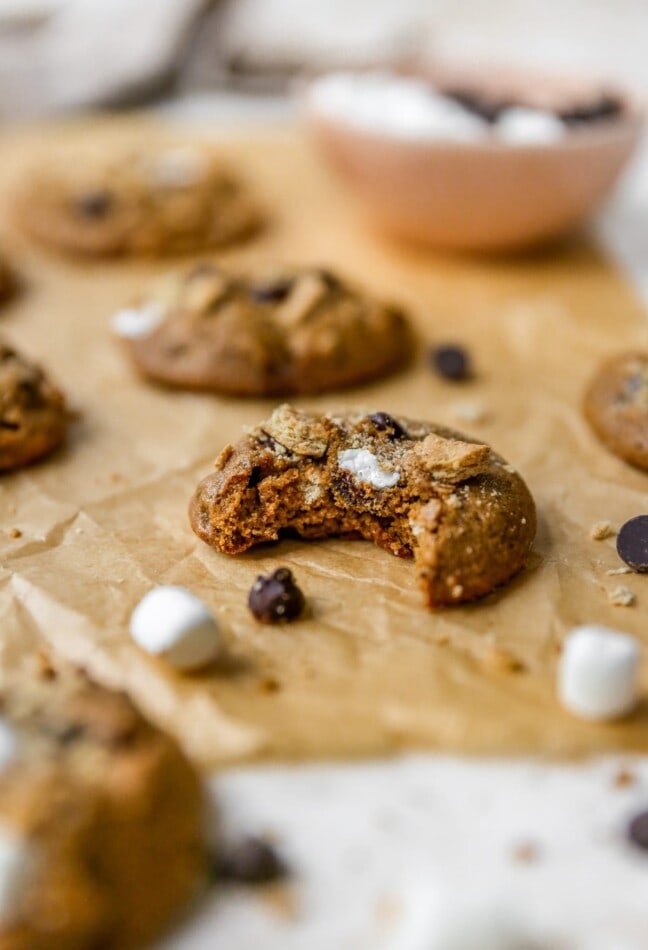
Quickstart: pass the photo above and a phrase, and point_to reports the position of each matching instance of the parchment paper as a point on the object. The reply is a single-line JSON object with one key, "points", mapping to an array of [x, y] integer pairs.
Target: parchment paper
{"points": [[370, 670]]}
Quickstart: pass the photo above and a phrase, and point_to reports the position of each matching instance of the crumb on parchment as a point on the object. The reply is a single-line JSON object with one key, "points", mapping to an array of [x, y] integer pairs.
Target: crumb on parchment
{"points": [[601, 530]]}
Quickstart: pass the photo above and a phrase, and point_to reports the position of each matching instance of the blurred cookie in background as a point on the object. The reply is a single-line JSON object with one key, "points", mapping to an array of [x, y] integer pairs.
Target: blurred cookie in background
{"points": [[616, 407], [152, 202], [264, 333]]}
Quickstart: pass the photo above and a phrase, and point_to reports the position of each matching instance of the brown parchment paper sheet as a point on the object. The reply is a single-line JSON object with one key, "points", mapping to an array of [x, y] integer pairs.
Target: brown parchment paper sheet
{"points": [[370, 671]]}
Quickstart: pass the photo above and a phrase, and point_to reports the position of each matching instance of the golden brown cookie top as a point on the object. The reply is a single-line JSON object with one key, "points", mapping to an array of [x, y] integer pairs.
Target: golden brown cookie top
{"points": [[33, 414], [163, 200], [414, 488], [264, 332], [616, 405]]}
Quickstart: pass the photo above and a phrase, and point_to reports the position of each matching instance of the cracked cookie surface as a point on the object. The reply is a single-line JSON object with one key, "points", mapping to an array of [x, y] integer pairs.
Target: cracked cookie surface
{"points": [[33, 414], [100, 821], [413, 488], [616, 406], [155, 202], [279, 332]]}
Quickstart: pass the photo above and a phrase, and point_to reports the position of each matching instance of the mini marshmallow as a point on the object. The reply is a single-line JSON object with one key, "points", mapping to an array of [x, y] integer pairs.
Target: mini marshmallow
{"points": [[598, 673], [17, 866], [398, 106], [521, 126], [135, 322], [8, 743], [364, 467], [172, 623], [179, 167]]}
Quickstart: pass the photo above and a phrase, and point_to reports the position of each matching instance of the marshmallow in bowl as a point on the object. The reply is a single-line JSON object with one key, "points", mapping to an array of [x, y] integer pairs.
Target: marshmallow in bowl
{"points": [[598, 673], [172, 623], [131, 323], [17, 867], [522, 126], [399, 106]]}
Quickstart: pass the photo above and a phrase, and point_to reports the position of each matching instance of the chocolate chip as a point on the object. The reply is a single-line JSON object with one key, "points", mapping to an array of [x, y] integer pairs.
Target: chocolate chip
{"points": [[478, 104], [329, 279], [276, 598], [638, 830], [11, 426], [607, 106], [386, 423], [450, 361], [273, 291], [256, 475], [94, 204], [251, 861], [632, 543]]}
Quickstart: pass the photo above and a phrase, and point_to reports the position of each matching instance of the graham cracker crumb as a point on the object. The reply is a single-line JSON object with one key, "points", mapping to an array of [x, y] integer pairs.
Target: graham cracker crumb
{"points": [[624, 777], [601, 530], [621, 596], [498, 659], [526, 852], [15, 533]]}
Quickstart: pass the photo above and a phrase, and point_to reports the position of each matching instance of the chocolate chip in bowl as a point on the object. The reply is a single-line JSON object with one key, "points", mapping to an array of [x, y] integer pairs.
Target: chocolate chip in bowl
{"points": [[478, 160]]}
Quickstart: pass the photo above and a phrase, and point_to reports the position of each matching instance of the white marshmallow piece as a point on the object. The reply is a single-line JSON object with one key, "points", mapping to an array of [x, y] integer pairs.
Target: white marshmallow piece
{"points": [[365, 467], [132, 323], [8, 744], [172, 623], [398, 106], [179, 167], [522, 126], [598, 673], [18, 863]]}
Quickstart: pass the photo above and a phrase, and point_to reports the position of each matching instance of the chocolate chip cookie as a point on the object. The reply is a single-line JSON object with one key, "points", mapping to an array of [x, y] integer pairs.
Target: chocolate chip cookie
{"points": [[101, 821], [293, 330], [33, 415], [414, 488], [155, 202], [616, 406]]}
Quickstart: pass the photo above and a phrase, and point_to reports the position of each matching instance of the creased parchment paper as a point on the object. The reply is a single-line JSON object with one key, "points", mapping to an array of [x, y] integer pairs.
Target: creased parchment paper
{"points": [[370, 670]]}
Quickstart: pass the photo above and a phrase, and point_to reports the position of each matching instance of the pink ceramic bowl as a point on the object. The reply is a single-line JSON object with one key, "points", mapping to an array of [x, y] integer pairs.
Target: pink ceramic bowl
{"points": [[483, 195]]}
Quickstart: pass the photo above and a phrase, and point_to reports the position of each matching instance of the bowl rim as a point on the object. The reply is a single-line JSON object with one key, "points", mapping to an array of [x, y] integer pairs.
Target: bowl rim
{"points": [[629, 125]]}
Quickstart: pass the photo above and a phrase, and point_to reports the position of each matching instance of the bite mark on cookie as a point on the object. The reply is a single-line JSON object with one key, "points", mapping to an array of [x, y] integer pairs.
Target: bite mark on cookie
{"points": [[413, 488]]}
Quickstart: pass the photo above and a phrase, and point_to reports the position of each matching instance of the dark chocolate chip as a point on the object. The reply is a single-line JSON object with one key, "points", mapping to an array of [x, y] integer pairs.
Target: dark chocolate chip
{"points": [[256, 476], [603, 108], [31, 396], [273, 291], [94, 204], [250, 861], [276, 598], [478, 104], [386, 423], [329, 279], [632, 543], [638, 830], [450, 361]]}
